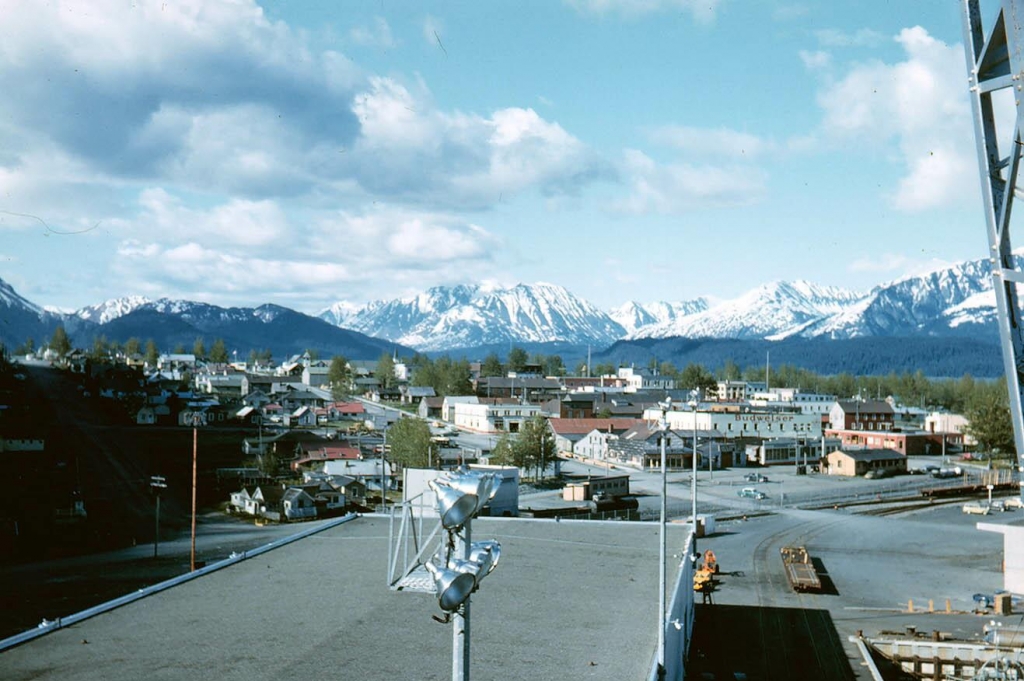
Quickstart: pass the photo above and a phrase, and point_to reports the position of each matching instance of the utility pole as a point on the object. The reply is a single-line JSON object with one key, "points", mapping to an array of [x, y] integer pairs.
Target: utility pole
{"points": [[158, 483]]}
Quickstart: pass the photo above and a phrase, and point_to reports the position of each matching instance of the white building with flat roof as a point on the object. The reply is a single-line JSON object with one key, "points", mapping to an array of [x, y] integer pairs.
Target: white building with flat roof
{"points": [[493, 418]]}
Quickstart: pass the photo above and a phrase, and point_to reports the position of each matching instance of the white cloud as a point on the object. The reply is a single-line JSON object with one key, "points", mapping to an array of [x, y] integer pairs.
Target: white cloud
{"points": [[238, 222], [816, 60], [864, 37], [717, 142], [702, 10], [678, 187], [376, 35], [173, 250], [409, 149], [921, 103]]}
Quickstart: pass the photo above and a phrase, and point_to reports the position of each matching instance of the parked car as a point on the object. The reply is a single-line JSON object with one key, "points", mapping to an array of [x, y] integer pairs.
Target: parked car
{"points": [[1013, 502], [756, 477], [998, 505], [878, 473], [751, 493], [976, 508]]}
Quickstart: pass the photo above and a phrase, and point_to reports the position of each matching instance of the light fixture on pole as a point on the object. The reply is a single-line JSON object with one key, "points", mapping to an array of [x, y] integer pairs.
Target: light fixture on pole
{"points": [[158, 483], [663, 423], [693, 479], [462, 564]]}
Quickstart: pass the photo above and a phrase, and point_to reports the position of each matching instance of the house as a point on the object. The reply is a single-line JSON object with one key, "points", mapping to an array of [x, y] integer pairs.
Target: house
{"points": [[366, 471], [291, 400], [861, 415], [413, 394], [146, 416], [853, 462], [448, 406], [316, 453], [568, 432], [266, 500], [297, 504], [640, 446], [430, 408], [257, 399], [315, 375], [301, 417], [644, 379]]}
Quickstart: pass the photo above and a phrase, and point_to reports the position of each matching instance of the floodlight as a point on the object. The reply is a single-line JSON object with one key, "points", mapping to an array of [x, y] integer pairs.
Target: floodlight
{"points": [[482, 486], [454, 506], [452, 587], [486, 554]]}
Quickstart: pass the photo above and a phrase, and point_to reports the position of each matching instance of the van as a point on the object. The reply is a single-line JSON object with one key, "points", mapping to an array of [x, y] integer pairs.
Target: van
{"points": [[976, 508]]}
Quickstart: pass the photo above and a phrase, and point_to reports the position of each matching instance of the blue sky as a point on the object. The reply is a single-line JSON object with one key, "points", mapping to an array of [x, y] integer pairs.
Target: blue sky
{"points": [[304, 153]]}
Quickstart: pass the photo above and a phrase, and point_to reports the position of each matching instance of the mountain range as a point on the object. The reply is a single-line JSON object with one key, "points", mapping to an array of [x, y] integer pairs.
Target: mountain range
{"points": [[952, 303]]}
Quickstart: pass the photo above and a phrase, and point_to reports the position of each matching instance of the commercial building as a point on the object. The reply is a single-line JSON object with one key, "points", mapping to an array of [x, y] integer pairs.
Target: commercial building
{"points": [[852, 462]]}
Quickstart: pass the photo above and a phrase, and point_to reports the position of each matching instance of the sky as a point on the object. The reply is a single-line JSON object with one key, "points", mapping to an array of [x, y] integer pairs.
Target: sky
{"points": [[306, 153]]}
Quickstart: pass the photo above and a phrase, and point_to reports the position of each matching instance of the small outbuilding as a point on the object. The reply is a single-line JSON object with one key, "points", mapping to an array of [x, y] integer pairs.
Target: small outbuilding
{"points": [[853, 462]]}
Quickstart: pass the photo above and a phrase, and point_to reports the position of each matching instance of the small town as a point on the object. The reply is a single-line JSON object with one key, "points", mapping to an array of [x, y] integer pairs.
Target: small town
{"points": [[422, 341]]}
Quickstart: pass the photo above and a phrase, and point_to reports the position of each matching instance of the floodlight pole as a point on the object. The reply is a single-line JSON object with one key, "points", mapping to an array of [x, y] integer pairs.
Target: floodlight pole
{"points": [[693, 482], [460, 618], [661, 548], [195, 451]]}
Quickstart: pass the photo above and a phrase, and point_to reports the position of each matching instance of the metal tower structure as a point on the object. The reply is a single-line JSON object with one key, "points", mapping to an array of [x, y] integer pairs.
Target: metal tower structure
{"points": [[995, 66]]}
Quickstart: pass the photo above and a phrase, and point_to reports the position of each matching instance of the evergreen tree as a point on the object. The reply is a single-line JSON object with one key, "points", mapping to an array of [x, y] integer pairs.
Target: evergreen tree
{"points": [[132, 347], [219, 352], [340, 377], [199, 348], [990, 422], [491, 366], [385, 373], [59, 342], [517, 359], [152, 353]]}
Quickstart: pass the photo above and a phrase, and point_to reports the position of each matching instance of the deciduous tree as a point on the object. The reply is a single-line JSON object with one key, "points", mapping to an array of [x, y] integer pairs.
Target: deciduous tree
{"points": [[409, 442]]}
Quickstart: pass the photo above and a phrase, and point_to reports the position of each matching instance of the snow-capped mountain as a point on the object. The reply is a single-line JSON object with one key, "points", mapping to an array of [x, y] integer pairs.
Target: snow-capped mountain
{"points": [[633, 316], [771, 310], [111, 309], [467, 316], [930, 304]]}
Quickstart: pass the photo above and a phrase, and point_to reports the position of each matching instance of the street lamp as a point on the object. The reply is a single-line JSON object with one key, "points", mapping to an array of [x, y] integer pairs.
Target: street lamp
{"points": [[663, 424], [196, 418], [158, 483], [693, 479]]}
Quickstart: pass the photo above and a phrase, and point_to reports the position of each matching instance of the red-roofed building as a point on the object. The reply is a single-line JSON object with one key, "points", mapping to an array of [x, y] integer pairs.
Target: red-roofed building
{"points": [[568, 432], [312, 452]]}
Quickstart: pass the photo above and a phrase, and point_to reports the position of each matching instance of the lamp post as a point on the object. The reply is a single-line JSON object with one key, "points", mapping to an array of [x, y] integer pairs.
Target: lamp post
{"points": [[693, 480], [195, 451], [158, 483], [665, 406]]}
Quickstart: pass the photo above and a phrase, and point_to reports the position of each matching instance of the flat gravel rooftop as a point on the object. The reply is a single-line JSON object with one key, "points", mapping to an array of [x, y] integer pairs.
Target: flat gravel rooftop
{"points": [[573, 600]]}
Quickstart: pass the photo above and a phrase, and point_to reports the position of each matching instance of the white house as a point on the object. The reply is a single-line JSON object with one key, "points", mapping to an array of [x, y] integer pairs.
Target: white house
{"points": [[448, 406], [494, 418]]}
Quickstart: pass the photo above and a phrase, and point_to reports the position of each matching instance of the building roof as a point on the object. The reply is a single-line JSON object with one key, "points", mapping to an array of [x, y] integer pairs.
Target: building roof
{"points": [[584, 426], [526, 616], [865, 406], [873, 454]]}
